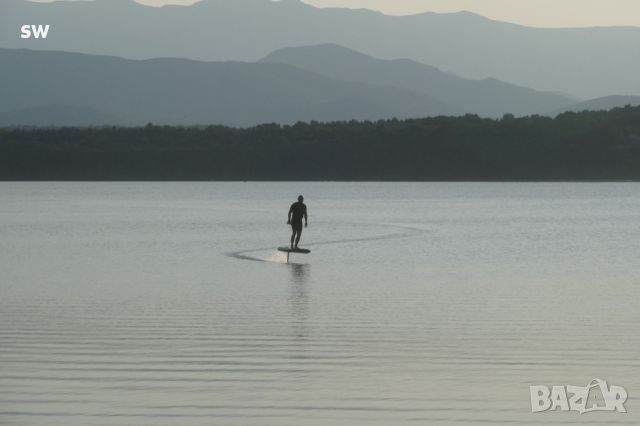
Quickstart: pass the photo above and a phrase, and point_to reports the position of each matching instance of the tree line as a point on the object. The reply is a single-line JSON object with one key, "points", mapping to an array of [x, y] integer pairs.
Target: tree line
{"points": [[602, 145]]}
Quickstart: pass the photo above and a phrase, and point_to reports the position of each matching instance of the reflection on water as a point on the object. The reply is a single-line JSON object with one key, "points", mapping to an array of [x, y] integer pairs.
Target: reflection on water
{"points": [[419, 304], [299, 298]]}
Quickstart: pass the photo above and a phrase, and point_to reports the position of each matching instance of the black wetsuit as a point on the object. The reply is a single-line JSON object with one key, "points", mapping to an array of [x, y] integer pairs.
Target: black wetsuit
{"points": [[298, 211]]}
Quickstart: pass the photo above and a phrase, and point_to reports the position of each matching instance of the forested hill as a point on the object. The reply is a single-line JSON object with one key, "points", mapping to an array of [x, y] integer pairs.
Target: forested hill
{"points": [[573, 146]]}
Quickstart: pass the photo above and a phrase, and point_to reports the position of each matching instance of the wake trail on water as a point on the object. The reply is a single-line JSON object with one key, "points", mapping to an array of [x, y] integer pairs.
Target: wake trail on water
{"points": [[279, 257]]}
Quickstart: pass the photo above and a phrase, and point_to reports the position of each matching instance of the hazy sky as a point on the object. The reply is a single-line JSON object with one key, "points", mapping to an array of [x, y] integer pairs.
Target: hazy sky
{"points": [[540, 13]]}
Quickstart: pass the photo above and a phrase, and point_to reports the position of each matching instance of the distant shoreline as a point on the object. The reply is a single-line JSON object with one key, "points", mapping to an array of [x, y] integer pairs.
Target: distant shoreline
{"points": [[601, 146]]}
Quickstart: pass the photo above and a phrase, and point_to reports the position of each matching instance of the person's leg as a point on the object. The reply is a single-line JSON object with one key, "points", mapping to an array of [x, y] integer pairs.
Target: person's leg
{"points": [[299, 232], [293, 235]]}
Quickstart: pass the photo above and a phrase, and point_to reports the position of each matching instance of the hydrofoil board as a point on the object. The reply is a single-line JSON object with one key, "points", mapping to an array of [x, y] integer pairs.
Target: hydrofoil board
{"points": [[293, 250]]}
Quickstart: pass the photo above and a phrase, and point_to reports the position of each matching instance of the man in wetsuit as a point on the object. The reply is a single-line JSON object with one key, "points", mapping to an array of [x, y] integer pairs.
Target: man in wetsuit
{"points": [[296, 213]]}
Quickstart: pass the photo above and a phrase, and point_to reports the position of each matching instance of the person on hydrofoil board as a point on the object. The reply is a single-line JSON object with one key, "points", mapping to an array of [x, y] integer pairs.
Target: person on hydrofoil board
{"points": [[296, 213]]}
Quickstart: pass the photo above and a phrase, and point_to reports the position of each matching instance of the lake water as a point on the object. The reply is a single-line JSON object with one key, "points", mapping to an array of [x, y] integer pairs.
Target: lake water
{"points": [[421, 303]]}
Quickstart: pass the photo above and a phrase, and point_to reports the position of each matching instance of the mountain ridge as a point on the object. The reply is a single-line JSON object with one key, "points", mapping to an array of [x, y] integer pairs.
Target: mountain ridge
{"points": [[186, 92], [587, 63], [604, 103], [487, 97]]}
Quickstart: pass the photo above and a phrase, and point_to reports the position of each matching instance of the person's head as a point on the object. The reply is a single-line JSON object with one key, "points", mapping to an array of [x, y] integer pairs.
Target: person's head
{"points": [[300, 198]]}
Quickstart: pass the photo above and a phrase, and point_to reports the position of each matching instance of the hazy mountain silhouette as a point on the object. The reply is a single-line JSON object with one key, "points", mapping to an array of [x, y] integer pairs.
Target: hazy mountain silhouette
{"points": [[487, 97], [601, 104], [588, 62], [180, 91], [59, 115]]}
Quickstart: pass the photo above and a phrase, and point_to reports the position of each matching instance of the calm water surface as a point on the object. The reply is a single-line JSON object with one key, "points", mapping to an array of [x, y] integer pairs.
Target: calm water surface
{"points": [[166, 303]]}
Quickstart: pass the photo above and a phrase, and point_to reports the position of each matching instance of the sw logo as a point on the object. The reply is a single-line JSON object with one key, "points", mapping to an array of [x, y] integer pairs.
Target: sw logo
{"points": [[596, 396], [35, 31]]}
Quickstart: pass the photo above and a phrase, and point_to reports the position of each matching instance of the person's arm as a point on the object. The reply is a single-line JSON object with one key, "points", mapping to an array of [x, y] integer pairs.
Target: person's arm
{"points": [[289, 215], [305, 217]]}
